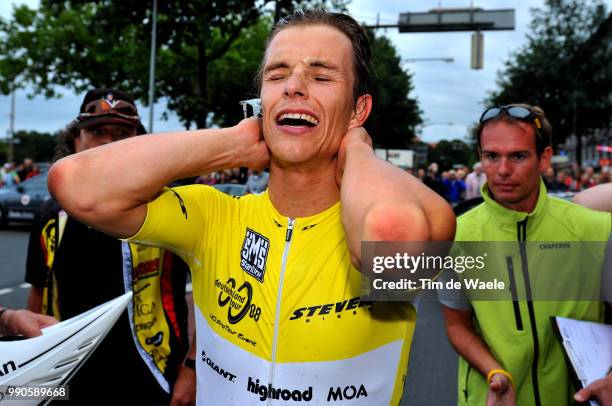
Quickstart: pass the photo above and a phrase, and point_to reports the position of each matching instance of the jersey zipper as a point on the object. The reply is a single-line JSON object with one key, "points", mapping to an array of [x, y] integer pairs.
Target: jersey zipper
{"points": [[515, 302], [521, 230], [288, 236]]}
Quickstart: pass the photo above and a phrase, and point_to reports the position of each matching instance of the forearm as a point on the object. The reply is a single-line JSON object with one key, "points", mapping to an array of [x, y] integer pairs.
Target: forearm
{"points": [[104, 185], [35, 299], [382, 202], [462, 336], [191, 354]]}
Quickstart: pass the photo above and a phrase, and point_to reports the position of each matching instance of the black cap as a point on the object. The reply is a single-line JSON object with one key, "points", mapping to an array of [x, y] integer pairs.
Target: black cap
{"points": [[109, 106]]}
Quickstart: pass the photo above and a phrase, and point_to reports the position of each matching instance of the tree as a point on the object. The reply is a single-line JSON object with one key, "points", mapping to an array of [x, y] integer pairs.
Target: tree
{"points": [[449, 153], [395, 115], [32, 144], [560, 70], [205, 49], [208, 55]]}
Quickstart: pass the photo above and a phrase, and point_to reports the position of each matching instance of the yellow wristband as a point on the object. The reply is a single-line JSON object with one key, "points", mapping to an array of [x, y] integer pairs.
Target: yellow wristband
{"points": [[499, 371]]}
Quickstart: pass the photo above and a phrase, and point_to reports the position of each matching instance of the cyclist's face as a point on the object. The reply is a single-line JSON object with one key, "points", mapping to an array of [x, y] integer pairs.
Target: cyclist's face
{"points": [[307, 94], [104, 134], [511, 163]]}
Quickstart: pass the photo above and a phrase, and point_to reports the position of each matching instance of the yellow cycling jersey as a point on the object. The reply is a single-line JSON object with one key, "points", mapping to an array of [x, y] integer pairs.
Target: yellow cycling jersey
{"points": [[278, 312]]}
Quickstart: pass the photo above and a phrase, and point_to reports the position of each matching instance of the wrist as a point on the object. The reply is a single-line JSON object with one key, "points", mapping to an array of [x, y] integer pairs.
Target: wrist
{"points": [[499, 371], [5, 315]]}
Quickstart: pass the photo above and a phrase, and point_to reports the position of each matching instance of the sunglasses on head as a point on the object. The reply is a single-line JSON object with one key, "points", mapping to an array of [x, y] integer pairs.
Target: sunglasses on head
{"points": [[514, 111], [102, 107]]}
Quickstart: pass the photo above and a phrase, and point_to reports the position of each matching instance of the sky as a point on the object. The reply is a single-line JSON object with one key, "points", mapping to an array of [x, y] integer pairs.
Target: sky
{"points": [[450, 95]]}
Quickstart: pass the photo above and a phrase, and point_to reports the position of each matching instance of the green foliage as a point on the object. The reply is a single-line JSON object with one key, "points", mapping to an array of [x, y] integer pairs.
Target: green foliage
{"points": [[395, 115], [208, 53], [31, 144], [449, 153], [563, 68]]}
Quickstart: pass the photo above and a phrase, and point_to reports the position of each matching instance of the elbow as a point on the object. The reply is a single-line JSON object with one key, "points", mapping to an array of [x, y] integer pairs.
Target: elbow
{"points": [[57, 178], [65, 187], [396, 222]]}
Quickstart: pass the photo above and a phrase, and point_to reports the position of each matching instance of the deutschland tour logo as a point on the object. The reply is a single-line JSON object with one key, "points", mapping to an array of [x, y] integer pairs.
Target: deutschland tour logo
{"points": [[254, 254]]}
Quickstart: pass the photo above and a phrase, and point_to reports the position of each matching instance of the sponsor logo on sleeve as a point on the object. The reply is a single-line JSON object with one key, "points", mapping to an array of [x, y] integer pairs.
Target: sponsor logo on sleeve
{"points": [[254, 254], [181, 203]]}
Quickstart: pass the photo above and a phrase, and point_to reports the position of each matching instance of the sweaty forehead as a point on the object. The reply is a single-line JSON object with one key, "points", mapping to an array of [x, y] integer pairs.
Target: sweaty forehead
{"points": [[508, 136], [310, 43]]}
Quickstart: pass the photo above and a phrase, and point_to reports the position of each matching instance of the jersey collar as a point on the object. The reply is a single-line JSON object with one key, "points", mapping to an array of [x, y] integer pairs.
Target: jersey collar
{"points": [[300, 222]]}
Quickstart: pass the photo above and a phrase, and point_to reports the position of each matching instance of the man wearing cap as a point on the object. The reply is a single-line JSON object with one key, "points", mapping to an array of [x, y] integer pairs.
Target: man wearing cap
{"points": [[509, 352], [73, 268]]}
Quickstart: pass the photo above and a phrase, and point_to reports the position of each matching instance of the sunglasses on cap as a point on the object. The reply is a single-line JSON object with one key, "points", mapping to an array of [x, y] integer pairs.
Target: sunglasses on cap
{"points": [[514, 111], [105, 107]]}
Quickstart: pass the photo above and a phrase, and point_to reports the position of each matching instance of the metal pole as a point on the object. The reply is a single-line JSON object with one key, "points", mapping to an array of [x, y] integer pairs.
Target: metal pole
{"points": [[9, 157], [152, 66]]}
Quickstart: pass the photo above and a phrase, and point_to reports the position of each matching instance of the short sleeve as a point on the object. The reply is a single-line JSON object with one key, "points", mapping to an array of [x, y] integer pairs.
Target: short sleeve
{"points": [[180, 219], [454, 298], [36, 268]]}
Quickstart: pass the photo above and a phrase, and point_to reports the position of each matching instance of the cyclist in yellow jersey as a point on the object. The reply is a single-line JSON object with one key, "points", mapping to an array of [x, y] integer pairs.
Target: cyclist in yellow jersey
{"points": [[275, 276]]}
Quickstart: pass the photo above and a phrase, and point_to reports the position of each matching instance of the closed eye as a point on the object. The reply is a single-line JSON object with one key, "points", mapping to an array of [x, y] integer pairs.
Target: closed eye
{"points": [[273, 78]]}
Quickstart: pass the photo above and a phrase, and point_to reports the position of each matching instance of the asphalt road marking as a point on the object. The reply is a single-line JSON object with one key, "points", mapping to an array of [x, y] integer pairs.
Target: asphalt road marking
{"points": [[6, 291]]}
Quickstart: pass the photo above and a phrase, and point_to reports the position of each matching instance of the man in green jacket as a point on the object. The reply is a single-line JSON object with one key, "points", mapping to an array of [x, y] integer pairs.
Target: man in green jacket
{"points": [[509, 352]]}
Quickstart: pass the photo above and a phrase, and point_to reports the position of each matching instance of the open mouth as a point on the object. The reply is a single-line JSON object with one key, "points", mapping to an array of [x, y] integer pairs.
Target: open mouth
{"points": [[297, 120]]}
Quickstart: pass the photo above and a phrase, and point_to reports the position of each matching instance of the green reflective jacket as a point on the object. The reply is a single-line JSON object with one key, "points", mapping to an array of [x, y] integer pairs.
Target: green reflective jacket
{"points": [[519, 332]]}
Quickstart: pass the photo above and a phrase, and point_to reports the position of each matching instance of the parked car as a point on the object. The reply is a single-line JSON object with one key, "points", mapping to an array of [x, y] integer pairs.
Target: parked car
{"points": [[21, 202], [232, 189]]}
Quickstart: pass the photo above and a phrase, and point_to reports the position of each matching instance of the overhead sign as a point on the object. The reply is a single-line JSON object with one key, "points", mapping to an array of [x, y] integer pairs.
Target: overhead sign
{"points": [[464, 19]]}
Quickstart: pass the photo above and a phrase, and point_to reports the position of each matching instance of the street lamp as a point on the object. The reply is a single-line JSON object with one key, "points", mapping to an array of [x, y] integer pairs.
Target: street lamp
{"points": [[435, 59]]}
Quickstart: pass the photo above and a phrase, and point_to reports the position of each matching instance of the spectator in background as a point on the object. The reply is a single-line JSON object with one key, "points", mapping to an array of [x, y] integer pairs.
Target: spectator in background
{"points": [[73, 268], [208, 179], [588, 178], [235, 178], [433, 181], [474, 182], [455, 187], [549, 178], [421, 174], [604, 176], [34, 172], [10, 177], [26, 168], [257, 181]]}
